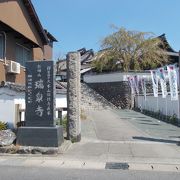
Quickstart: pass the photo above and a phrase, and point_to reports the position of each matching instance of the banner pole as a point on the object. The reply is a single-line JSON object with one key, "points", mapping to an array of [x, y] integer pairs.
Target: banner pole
{"points": [[166, 105], [157, 94], [145, 92], [178, 94], [178, 110]]}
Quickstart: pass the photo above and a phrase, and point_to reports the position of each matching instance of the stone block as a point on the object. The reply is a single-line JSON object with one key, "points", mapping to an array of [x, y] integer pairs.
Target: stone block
{"points": [[40, 136], [7, 137]]}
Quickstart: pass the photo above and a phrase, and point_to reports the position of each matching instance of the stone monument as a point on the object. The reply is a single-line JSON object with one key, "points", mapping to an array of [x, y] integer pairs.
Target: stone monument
{"points": [[40, 128], [73, 96]]}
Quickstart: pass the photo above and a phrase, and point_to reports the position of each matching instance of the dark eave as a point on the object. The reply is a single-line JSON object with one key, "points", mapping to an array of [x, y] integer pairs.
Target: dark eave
{"points": [[167, 45], [34, 17], [18, 35], [50, 36]]}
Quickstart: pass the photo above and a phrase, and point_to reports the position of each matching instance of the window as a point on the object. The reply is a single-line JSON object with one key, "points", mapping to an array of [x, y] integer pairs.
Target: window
{"points": [[1, 46], [22, 54]]}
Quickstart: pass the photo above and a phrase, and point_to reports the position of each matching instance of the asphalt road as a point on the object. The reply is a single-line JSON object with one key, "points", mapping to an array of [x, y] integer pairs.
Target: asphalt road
{"points": [[28, 173]]}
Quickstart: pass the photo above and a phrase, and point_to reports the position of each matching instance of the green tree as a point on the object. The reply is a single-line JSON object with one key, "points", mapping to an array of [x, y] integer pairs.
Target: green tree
{"points": [[130, 50]]}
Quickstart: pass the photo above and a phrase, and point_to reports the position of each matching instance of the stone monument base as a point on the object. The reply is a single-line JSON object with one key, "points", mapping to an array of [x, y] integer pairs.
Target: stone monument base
{"points": [[40, 136]]}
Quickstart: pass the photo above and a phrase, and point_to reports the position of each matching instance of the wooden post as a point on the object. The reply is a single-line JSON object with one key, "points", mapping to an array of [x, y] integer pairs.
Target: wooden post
{"points": [[60, 115], [17, 115]]}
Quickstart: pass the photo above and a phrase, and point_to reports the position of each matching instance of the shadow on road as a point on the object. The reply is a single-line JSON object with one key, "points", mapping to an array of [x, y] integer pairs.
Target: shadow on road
{"points": [[174, 136], [156, 140], [146, 120], [155, 124]]}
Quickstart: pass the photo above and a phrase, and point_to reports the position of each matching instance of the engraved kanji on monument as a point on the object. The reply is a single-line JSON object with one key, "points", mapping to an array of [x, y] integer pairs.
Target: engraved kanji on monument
{"points": [[40, 129], [40, 94]]}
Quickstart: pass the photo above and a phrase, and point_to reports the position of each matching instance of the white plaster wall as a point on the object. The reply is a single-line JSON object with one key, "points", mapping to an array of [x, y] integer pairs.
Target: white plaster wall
{"points": [[20, 99], [8, 100], [61, 102], [7, 110], [165, 105], [112, 77]]}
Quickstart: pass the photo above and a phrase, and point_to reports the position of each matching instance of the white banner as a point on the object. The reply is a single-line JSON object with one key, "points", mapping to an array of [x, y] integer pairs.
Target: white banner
{"points": [[162, 77], [154, 82], [177, 72], [143, 86], [131, 83], [136, 82], [173, 82]]}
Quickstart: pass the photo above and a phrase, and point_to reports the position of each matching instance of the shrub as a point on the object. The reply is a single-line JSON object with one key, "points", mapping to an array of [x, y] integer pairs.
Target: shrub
{"points": [[159, 115], [168, 119], [64, 122], [3, 126], [173, 119], [137, 109]]}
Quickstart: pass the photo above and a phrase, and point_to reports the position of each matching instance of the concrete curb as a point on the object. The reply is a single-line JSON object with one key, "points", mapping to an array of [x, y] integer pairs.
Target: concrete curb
{"points": [[85, 164]]}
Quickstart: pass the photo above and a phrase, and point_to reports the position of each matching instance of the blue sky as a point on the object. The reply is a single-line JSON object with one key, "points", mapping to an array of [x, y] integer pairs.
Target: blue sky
{"points": [[83, 23]]}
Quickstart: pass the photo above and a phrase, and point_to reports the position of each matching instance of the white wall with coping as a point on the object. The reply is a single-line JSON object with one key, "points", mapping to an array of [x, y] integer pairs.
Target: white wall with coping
{"points": [[7, 110], [165, 105], [9, 98], [61, 102], [112, 77]]}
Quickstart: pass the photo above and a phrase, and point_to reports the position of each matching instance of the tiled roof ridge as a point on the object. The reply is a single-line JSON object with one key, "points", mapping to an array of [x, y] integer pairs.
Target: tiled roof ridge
{"points": [[21, 88], [14, 86]]}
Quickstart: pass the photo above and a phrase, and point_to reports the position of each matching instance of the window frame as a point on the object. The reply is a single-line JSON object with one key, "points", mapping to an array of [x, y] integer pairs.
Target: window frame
{"points": [[3, 46], [24, 48]]}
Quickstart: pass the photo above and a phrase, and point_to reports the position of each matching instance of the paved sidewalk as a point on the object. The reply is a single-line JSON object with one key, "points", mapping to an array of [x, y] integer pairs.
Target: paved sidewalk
{"points": [[119, 136], [114, 136]]}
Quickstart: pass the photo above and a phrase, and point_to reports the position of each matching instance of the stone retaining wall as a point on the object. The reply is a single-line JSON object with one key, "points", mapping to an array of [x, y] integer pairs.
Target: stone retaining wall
{"points": [[118, 93]]}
